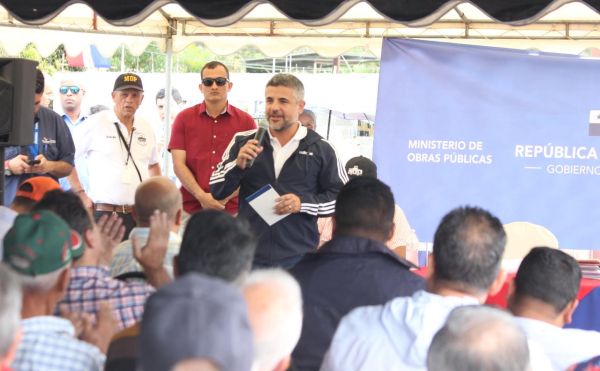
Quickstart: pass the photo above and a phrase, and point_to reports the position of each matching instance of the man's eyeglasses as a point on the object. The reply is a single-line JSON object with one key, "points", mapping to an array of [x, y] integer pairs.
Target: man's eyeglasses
{"points": [[64, 89], [208, 81]]}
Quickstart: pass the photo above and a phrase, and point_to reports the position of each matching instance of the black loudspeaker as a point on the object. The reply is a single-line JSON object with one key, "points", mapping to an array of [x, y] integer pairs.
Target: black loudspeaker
{"points": [[17, 94]]}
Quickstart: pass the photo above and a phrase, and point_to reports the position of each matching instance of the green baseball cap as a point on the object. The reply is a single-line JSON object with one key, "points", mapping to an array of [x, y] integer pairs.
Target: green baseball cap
{"points": [[40, 242]]}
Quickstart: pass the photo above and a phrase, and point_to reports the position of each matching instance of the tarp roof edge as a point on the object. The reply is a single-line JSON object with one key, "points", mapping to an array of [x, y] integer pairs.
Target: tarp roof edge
{"points": [[309, 12]]}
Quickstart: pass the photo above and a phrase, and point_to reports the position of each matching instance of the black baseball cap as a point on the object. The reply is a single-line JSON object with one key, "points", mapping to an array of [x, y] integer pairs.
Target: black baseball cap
{"points": [[361, 166], [128, 81]]}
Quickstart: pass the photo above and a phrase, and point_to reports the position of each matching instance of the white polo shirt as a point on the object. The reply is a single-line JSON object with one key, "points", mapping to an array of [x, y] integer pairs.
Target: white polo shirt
{"points": [[282, 153], [112, 176]]}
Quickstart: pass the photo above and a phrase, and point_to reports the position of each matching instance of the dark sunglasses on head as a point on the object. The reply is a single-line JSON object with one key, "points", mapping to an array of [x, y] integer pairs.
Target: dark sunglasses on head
{"points": [[65, 89], [208, 82]]}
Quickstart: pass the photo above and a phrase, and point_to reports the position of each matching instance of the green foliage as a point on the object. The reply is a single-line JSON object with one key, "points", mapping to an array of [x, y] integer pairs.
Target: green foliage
{"points": [[191, 59], [50, 64], [151, 60]]}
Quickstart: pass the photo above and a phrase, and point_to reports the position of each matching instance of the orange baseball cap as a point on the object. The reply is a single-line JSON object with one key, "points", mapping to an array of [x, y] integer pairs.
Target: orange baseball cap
{"points": [[35, 188]]}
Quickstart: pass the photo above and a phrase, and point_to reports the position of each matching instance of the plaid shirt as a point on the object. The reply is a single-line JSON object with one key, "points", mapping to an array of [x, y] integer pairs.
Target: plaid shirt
{"points": [[49, 344], [91, 285]]}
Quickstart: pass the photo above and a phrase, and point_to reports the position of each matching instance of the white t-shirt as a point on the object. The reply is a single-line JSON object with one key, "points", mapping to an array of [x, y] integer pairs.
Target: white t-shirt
{"points": [[563, 346], [113, 178]]}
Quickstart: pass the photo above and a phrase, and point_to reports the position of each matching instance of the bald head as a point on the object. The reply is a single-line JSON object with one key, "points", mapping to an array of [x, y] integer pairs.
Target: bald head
{"points": [[157, 193], [274, 304]]}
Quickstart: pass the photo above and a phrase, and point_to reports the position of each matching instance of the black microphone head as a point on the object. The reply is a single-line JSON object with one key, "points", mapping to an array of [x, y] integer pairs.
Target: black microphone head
{"points": [[261, 132]]}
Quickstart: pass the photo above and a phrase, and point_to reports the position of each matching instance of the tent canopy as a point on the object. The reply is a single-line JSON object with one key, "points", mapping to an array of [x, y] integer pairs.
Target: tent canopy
{"points": [[277, 27]]}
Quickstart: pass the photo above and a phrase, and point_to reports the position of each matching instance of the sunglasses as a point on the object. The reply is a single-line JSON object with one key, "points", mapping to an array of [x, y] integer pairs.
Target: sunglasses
{"points": [[65, 89], [208, 82]]}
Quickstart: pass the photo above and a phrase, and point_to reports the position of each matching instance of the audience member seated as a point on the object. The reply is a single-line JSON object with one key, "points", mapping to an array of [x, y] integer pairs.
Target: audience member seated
{"points": [[275, 310], [543, 296], [90, 281], [156, 193], [10, 315], [354, 269], [465, 267], [31, 191], [39, 248], [196, 317], [478, 338], [28, 193], [215, 244], [403, 241]]}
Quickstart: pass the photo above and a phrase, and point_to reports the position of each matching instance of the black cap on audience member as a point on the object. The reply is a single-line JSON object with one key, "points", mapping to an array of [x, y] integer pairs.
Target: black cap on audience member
{"points": [[196, 316], [128, 81], [361, 166]]}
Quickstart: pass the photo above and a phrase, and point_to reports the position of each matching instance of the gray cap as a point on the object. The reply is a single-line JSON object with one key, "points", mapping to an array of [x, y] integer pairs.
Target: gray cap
{"points": [[196, 316]]}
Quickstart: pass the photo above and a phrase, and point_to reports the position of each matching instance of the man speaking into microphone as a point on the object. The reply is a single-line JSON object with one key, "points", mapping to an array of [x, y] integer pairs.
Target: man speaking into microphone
{"points": [[301, 166]]}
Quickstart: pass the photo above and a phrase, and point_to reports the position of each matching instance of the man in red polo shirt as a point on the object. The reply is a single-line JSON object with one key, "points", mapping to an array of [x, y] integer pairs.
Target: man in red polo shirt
{"points": [[199, 137]]}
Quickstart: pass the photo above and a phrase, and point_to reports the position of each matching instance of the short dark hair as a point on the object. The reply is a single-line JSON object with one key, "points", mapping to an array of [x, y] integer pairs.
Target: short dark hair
{"points": [[467, 249], [174, 94], [23, 203], [39, 82], [212, 65], [216, 244], [549, 275], [365, 204], [69, 207]]}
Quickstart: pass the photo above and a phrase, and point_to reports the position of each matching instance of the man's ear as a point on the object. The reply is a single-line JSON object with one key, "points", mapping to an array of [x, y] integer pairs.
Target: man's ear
{"points": [[430, 266], [63, 281], [567, 313], [89, 239], [391, 232], [134, 215], [496, 286], [301, 105]]}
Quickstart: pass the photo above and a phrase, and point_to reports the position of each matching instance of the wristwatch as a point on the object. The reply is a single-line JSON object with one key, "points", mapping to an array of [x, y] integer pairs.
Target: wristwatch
{"points": [[7, 168]]}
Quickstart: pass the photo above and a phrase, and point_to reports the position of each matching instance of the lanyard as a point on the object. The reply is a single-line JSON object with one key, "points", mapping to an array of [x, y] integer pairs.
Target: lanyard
{"points": [[34, 148], [128, 148]]}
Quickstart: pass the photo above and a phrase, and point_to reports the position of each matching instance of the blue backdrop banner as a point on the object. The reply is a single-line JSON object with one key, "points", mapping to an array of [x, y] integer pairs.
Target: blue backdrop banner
{"points": [[515, 132]]}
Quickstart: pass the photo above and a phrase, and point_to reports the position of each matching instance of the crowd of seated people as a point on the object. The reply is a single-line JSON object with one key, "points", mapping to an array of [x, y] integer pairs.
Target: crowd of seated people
{"points": [[352, 305], [153, 286]]}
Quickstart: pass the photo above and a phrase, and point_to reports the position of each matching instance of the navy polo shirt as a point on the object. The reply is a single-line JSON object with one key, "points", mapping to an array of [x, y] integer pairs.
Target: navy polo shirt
{"points": [[54, 142]]}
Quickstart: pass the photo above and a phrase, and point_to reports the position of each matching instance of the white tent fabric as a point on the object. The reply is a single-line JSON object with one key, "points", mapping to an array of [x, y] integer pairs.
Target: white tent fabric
{"points": [[570, 28]]}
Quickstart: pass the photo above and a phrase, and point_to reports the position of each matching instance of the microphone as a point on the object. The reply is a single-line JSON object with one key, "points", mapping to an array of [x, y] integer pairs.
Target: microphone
{"points": [[260, 134]]}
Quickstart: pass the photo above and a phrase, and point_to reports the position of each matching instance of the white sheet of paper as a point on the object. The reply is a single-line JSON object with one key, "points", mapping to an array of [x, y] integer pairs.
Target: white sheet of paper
{"points": [[263, 201]]}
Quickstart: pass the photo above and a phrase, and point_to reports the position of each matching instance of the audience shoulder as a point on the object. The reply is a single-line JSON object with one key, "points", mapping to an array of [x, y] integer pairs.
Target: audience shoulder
{"points": [[360, 341]]}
